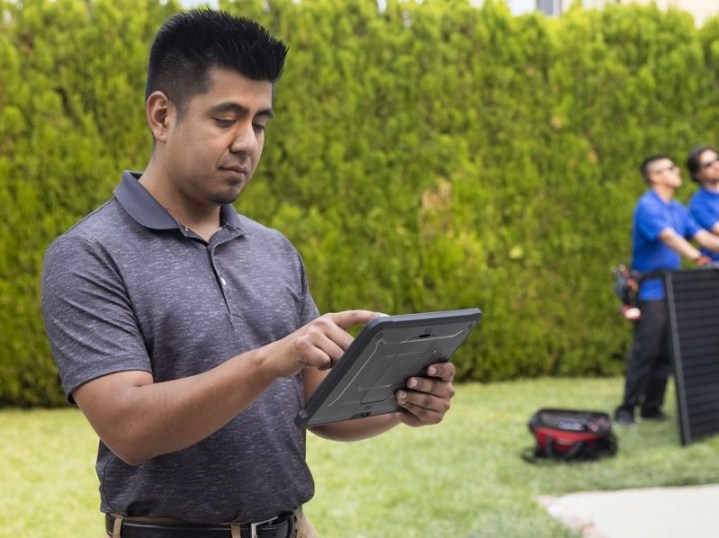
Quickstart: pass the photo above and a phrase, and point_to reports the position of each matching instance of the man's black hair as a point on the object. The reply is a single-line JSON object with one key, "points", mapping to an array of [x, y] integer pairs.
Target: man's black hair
{"points": [[647, 163], [694, 164], [190, 43]]}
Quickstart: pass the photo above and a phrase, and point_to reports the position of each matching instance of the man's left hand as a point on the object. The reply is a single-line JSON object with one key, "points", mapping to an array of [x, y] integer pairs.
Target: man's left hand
{"points": [[426, 399]]}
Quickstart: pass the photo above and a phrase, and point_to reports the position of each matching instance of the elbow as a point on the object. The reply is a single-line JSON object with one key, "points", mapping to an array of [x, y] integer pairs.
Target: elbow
{"points": [[130, 442], [135, 442], [131, 459], [129, 451]]}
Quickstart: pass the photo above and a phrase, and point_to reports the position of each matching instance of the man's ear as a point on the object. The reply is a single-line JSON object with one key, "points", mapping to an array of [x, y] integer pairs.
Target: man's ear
{"points": [[157, 109]]}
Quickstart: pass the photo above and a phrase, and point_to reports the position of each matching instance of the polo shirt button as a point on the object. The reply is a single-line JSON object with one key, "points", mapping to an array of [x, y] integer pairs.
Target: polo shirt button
{"points": [[223, 282]]}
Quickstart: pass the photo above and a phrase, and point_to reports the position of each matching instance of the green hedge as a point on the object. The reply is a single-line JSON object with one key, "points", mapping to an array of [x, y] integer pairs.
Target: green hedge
{"points": [[432, 156]]}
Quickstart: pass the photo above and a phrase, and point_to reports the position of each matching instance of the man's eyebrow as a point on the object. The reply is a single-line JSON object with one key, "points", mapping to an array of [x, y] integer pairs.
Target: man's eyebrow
{"points": [[240, 110]]}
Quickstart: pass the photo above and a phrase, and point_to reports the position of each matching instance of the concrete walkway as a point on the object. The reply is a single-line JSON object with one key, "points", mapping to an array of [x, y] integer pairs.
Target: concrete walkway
{"points": [[683, 512]]}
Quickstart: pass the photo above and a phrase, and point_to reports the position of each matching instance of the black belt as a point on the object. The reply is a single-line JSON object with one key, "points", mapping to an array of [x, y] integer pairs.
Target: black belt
{"points": [[282, 526]]}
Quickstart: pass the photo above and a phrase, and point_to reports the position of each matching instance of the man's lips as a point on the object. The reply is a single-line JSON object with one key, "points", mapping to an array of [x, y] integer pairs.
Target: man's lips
{"points": [[237, 171], [236, 168]]}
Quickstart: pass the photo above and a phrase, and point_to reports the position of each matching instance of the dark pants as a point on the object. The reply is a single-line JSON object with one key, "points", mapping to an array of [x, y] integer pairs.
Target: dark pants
{"points": [[650, 359]]}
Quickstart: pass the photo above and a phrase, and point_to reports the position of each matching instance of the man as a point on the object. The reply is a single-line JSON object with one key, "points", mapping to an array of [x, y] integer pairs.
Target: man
{"points": [[186, 332], [659, 236], [703, 165]]}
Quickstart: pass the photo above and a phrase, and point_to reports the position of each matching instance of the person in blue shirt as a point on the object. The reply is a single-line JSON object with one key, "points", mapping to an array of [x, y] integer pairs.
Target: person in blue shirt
{"points": [[661, 236], [703, 165]]}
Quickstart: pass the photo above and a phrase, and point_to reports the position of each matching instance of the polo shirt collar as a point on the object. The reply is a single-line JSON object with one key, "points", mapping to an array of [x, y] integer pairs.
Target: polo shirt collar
{"points": [[661, 200], [144, 209], [708, 192]]}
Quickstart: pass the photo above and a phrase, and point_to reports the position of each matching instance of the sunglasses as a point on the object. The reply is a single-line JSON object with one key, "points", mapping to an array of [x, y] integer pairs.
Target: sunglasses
{"points": [[710, 163]]}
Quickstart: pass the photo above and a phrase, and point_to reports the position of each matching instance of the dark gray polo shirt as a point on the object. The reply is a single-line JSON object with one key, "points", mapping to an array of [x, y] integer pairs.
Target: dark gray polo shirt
{"points": [[128, 288]]}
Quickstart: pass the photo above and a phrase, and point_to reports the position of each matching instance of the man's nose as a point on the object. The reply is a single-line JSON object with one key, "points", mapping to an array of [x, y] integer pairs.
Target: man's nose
{"points": [[245, 138]]}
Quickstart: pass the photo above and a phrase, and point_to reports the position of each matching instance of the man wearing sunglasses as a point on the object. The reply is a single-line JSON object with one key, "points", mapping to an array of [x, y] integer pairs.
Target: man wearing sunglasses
{"points": [[703, 165], [661, 236]]}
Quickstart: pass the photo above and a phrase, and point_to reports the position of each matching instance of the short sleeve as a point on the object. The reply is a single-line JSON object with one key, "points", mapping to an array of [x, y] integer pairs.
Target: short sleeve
{"points": [[703, 209], [651, 220], [88, 317]]}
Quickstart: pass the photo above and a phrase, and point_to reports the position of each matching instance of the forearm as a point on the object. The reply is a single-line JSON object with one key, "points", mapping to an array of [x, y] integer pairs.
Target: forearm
{"points": [[708, 240], [356, 430], [139, 419], [679, 244]]}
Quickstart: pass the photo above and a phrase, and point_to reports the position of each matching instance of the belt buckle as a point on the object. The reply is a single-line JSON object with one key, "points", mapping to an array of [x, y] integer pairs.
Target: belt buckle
{"points": [[254, 525]]}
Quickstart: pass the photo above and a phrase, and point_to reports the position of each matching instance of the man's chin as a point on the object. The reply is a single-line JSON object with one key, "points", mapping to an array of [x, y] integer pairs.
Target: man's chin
{"points": [[224, 198]]}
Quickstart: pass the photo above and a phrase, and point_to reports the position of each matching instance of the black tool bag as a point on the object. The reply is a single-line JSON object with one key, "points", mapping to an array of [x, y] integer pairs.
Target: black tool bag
{"points": [[626, 284], [570, 435]]}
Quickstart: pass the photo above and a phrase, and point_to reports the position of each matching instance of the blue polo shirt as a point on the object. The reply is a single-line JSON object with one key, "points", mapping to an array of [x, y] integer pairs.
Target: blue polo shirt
{"points": [[704, 207], [653, 215], [128, 288]]}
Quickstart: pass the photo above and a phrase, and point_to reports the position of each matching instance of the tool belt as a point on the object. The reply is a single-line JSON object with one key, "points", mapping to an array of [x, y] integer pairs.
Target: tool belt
{"points": [[281, 526]]}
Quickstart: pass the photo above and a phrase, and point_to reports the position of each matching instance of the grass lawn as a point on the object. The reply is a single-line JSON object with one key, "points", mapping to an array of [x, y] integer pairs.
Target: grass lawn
{"points": [[463, 478]]}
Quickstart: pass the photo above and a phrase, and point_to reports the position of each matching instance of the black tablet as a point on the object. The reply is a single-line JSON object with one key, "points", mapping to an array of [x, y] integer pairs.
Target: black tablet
{"points": [[386, 352]]}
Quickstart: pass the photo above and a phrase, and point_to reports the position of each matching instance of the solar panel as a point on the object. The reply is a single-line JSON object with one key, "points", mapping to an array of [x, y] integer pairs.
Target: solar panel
{"points": [[693, 301]]}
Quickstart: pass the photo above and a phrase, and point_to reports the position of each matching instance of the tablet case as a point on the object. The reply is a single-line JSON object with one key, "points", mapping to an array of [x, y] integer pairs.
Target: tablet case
{"points": [[388, 351]]}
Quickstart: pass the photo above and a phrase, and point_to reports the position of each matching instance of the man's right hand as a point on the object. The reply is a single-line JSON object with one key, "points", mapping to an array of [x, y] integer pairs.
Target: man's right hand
{"points": [[702, 260], [319, 344]]}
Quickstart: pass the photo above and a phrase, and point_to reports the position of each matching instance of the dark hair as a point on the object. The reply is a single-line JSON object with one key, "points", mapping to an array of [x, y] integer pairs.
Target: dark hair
{"points": [[190, 43], [646, 163], [694, 164]]}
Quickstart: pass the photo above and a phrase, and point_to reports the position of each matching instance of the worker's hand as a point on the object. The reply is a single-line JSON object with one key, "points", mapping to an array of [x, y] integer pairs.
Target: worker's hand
{"points": [[318, 344], [426, 399], [702, 260]]}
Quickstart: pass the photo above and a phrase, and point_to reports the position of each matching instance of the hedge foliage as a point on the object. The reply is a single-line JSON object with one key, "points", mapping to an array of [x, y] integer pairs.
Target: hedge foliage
{"points": [[431, 156]]}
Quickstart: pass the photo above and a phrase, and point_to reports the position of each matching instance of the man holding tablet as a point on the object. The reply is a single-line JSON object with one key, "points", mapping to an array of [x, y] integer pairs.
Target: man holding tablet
{"points": [[186, 332]]}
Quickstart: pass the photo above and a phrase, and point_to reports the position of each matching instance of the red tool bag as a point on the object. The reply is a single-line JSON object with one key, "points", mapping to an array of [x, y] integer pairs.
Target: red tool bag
{"points": [[570, 435]]}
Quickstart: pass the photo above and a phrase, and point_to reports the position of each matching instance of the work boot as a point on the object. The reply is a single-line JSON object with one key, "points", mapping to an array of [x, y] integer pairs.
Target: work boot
{"points": [[624, 416]]}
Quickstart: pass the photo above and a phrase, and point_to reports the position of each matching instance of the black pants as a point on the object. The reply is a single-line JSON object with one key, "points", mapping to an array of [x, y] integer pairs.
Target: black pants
{"points": [[650, 359]]}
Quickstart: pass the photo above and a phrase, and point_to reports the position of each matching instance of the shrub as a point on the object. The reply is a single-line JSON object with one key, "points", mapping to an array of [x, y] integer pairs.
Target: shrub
{"points": [[431, 156]]}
